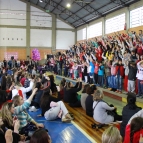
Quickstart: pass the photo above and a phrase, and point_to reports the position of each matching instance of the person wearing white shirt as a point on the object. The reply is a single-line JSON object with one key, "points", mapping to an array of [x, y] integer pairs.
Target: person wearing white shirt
{"points": [[24, 90], [140, 78]]}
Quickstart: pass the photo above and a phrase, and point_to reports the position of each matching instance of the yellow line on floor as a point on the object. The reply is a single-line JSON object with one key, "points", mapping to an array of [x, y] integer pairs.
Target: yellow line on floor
{"points": [[91, 139]]}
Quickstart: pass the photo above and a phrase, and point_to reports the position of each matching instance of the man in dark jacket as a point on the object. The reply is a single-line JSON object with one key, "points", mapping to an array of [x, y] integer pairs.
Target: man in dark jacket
{"points": [[132, 76]]}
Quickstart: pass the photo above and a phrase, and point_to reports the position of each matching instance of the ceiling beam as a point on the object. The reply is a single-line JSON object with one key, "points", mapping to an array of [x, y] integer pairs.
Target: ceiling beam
{"points": [[56, 6], [68, 12], [84, 6], [37, 2], [47, 3], [96, 9]]}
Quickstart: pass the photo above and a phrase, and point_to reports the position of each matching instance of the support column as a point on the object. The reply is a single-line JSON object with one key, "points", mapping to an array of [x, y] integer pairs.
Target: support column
{"points": [[53, 50], [28, 29], [87, 32], [127, 18], [103, 26], [75, 35]]}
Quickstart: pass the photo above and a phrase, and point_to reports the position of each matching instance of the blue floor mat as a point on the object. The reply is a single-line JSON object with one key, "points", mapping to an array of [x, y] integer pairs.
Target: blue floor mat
{"points": [[61, 132]]}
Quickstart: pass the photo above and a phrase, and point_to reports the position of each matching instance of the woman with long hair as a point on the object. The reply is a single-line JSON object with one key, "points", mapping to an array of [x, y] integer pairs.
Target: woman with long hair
{"points": [[23, 117], [53, 109], [89, 100], [15, 136], [84, 96], [3, 82], [111, 135], [128, 111], [134, 130]]}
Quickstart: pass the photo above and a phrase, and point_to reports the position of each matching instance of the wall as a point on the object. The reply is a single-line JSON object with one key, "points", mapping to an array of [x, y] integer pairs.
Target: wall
{"points": [[21, 52], [64, 39], [125, 10], [24, 27], [40, 38]]}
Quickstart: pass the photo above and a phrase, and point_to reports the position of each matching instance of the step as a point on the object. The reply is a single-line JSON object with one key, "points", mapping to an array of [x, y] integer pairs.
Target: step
{"points": [[120, 97]]}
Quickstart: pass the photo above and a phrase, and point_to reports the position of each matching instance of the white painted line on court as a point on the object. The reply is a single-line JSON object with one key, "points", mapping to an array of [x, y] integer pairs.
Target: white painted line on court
{"points": [[91, 139]]}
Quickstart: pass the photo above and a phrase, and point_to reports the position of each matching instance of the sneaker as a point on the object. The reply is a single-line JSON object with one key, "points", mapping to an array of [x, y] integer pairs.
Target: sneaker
{"points": [[68, 116], [117, 91], [66, 120], [138, 95], [33, 109]]}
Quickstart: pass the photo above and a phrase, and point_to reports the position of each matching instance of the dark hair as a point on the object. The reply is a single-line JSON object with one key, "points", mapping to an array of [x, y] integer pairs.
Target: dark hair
{"points": [[90, 90], [38, 85], [3, 82], [40, 136], [51, 78], [136, 125], [45, 99], [85, 88], [131, 100]]}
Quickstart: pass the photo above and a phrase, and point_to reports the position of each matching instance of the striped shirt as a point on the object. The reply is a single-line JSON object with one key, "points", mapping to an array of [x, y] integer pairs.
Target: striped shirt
{"points": [[22, 116]]}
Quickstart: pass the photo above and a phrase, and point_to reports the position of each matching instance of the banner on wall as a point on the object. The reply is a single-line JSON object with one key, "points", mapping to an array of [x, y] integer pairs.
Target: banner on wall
{"points": [[8, 55]]}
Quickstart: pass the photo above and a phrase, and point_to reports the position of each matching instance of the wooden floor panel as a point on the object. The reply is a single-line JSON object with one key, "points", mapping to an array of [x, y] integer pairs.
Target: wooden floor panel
{"points": [[84, 122]]}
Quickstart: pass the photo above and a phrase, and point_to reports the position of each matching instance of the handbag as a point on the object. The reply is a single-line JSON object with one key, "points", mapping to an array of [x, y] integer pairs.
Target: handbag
{"points": [[30, 127], [113, 112]]}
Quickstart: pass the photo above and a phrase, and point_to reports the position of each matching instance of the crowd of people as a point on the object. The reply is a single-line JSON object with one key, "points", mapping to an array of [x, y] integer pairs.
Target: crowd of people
{"points": [[104, 62]]}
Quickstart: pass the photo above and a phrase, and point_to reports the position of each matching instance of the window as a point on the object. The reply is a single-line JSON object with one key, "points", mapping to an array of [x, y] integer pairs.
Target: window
{"points": [[115, 24], [84, 33], [136, 17], [95, 30], [81, 34]]}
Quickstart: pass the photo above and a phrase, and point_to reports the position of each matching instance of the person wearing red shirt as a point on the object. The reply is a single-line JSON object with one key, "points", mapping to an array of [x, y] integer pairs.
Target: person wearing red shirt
{"points": [[134, 130], [96, 68]]}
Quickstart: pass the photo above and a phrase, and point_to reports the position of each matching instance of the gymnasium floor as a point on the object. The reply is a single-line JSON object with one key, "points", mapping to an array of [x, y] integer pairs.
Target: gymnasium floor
{"points": [[79, 130]]}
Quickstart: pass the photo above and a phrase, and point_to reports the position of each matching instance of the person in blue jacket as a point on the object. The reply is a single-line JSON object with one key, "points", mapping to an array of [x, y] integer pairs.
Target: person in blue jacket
{"points": [[91, 70]]}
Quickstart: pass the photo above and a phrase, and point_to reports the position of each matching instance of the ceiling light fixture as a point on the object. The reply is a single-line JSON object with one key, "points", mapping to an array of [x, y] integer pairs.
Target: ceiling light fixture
{"points": [[68, 5], [40, 0]]}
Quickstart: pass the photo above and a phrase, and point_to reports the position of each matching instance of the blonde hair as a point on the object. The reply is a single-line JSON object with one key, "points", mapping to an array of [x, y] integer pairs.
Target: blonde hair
{"points": [[111, 135], [98, 95], [16, 100], [6, 114]]}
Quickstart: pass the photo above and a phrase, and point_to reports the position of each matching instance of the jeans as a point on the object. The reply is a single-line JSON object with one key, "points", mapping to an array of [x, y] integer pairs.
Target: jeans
{"points": [[140, 87], [119, 82], [113, 83], [108, 81]]}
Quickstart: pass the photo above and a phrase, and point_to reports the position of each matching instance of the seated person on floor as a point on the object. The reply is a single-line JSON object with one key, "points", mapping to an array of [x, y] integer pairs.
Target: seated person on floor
{"points": [[134, 130], [20, 113], [128, 111], [52, 108], [111, 135], [36, 100], [61, 86], [70, 93], [103, 113], [39, 136], [19, 88], [15, 135], [84, 96], [89, 100]]}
